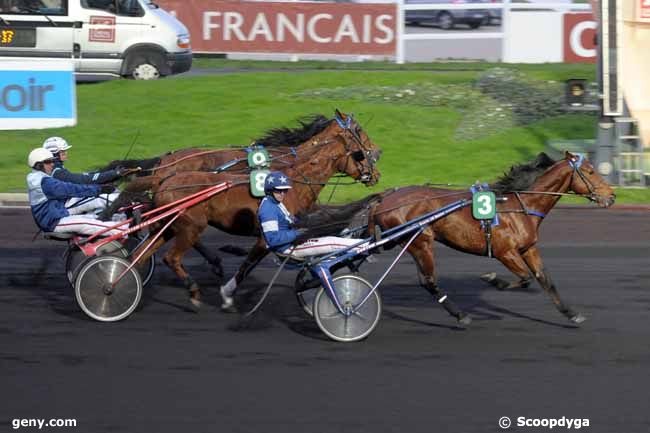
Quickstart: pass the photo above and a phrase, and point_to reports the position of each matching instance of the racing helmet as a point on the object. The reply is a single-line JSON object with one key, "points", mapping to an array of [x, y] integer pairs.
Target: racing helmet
{"points": [[276, 180], [39, 155], [56, 144]]}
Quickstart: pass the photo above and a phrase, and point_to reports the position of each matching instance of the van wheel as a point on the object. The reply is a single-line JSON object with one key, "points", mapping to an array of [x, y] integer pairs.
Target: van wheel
{"points": [[145, 71], [445, 21], [145, 66]]}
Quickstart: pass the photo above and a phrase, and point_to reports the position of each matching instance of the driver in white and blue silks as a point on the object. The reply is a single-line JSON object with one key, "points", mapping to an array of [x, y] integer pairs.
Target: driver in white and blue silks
{"points": [[78, 205], [48, 197], [276, 224]]}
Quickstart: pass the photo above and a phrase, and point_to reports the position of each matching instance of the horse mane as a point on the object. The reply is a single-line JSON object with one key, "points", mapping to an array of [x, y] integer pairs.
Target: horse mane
{"points": [[329, 220], [283, 136], [522, 176]]}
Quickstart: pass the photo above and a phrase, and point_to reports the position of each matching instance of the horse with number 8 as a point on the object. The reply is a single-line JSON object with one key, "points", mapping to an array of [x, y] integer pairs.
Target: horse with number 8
{"points": [[341, 147], [531, 189]]}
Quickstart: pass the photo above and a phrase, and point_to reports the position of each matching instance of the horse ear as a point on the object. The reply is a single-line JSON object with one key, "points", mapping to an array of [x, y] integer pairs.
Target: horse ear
{"points": [[569, 155], [339, 114]]}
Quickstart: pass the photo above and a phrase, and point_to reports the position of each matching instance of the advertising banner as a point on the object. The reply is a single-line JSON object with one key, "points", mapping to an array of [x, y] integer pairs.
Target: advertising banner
{"points": [[282, 27], [580, 38], [37, 94], [644, 10]]}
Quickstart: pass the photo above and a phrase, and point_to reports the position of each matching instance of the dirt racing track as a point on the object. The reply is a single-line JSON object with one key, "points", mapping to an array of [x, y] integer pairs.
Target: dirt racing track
{"points": [[169, 369]]}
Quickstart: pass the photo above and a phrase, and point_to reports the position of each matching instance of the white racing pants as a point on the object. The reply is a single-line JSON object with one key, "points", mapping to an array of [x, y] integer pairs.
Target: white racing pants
{"points": [[84, 225], [77, 206], [318, 246]]}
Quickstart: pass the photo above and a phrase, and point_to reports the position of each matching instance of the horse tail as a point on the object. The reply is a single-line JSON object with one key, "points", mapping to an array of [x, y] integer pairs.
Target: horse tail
{"points": [[324, 220]]}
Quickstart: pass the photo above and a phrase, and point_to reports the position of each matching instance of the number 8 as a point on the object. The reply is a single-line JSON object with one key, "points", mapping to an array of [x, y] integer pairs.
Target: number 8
{"points": [[259, 180]]}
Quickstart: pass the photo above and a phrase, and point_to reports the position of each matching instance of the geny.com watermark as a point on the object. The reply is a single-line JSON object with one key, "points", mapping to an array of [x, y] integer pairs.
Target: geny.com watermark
{"points": [[17, 423], [549, 423]]}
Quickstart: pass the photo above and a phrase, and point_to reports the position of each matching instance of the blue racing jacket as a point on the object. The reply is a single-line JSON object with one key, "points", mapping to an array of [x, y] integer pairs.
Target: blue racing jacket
{"points": [[47, 197], [275, 221], [61, 173]]}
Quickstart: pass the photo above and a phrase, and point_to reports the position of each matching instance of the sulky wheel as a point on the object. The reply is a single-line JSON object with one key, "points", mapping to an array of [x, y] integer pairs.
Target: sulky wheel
{"points": [[95, 292], [75, 257], [145, 269], [350, 291]]}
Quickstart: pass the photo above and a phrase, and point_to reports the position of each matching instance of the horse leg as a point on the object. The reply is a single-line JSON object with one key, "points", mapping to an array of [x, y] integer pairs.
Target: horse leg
{"points": [[515, 264], [255, 255], [534, 262], [214, 261], [183, 242], [422, 251]]}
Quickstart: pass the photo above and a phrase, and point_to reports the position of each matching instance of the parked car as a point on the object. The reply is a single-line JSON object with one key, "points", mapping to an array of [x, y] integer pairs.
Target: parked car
{"points": [[446, 19], [494, 15]]}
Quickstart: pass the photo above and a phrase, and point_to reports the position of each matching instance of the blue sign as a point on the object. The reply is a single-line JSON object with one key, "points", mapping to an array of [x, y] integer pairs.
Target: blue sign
{"points": [[37, 95]]}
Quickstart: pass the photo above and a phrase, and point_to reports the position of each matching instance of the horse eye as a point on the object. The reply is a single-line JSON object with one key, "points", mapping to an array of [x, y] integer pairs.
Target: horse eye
{"points": [[358, 156]]}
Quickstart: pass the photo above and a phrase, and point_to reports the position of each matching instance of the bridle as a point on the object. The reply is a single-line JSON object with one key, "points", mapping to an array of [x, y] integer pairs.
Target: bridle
{"points": [[575, 165], [351, 128]]}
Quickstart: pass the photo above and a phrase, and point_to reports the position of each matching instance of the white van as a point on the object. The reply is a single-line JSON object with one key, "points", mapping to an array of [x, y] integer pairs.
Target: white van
{"points": [[131, 38]]}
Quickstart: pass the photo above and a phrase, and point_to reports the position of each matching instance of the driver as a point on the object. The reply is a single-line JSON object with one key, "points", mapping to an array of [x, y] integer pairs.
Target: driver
{"points": [[48, 196], [276, 224], [59, 148]]}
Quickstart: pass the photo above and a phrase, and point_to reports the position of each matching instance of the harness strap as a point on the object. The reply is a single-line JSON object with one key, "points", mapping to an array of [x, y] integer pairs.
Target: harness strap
{"points": [[526, 210]]}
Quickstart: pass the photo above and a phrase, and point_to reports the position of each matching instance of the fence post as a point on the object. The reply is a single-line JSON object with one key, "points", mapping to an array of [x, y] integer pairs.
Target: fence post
{"points": [[505, 30], [400, 28]]}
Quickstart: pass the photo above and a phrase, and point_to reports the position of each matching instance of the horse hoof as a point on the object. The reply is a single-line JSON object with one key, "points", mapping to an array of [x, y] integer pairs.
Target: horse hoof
{"points": [[465, 320], [196, 302], [489, 277], [578, 319]]}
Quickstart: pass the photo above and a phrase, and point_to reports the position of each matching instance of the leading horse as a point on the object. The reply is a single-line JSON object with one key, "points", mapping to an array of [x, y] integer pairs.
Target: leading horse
{"points": [[342, 147], [531, 189]]}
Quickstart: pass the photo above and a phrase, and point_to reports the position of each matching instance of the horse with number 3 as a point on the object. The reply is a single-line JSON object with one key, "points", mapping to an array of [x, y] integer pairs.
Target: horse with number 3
{"points": [[531, 189]]}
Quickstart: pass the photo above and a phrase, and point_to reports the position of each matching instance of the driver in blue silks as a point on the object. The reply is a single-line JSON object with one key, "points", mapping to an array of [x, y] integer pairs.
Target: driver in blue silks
{"points": [[276, 224]]}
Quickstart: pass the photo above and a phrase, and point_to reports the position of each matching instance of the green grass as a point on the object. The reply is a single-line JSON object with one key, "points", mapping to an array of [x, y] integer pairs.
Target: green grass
{"points": [[233, 109]]}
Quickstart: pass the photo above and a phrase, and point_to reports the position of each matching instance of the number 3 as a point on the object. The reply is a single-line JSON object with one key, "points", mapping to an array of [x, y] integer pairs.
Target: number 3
{"points": [[486, 205]]}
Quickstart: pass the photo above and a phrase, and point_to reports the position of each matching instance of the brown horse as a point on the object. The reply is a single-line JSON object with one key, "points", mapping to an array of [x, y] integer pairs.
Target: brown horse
{"points": [[342, 147], [281, 144], [532, 190], [278, 141]]}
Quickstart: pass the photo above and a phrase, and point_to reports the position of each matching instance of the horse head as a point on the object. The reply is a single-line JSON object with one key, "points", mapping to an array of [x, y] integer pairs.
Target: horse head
{"points": [[586, 181], [361, 154]]}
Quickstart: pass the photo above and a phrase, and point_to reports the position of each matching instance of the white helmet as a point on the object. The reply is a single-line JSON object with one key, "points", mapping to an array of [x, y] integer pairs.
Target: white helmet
{"points": [[56, 144], [38, 155]]}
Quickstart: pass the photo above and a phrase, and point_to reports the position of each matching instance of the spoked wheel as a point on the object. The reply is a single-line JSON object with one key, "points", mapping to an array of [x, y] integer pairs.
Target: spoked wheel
{"points": [[145, 269], [350, 291], [305, 297], [75, 257], [95, 292]]}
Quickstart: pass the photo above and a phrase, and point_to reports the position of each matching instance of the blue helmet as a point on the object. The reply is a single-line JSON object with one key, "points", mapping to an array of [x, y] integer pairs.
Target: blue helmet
{"points": [[276, 180]]}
